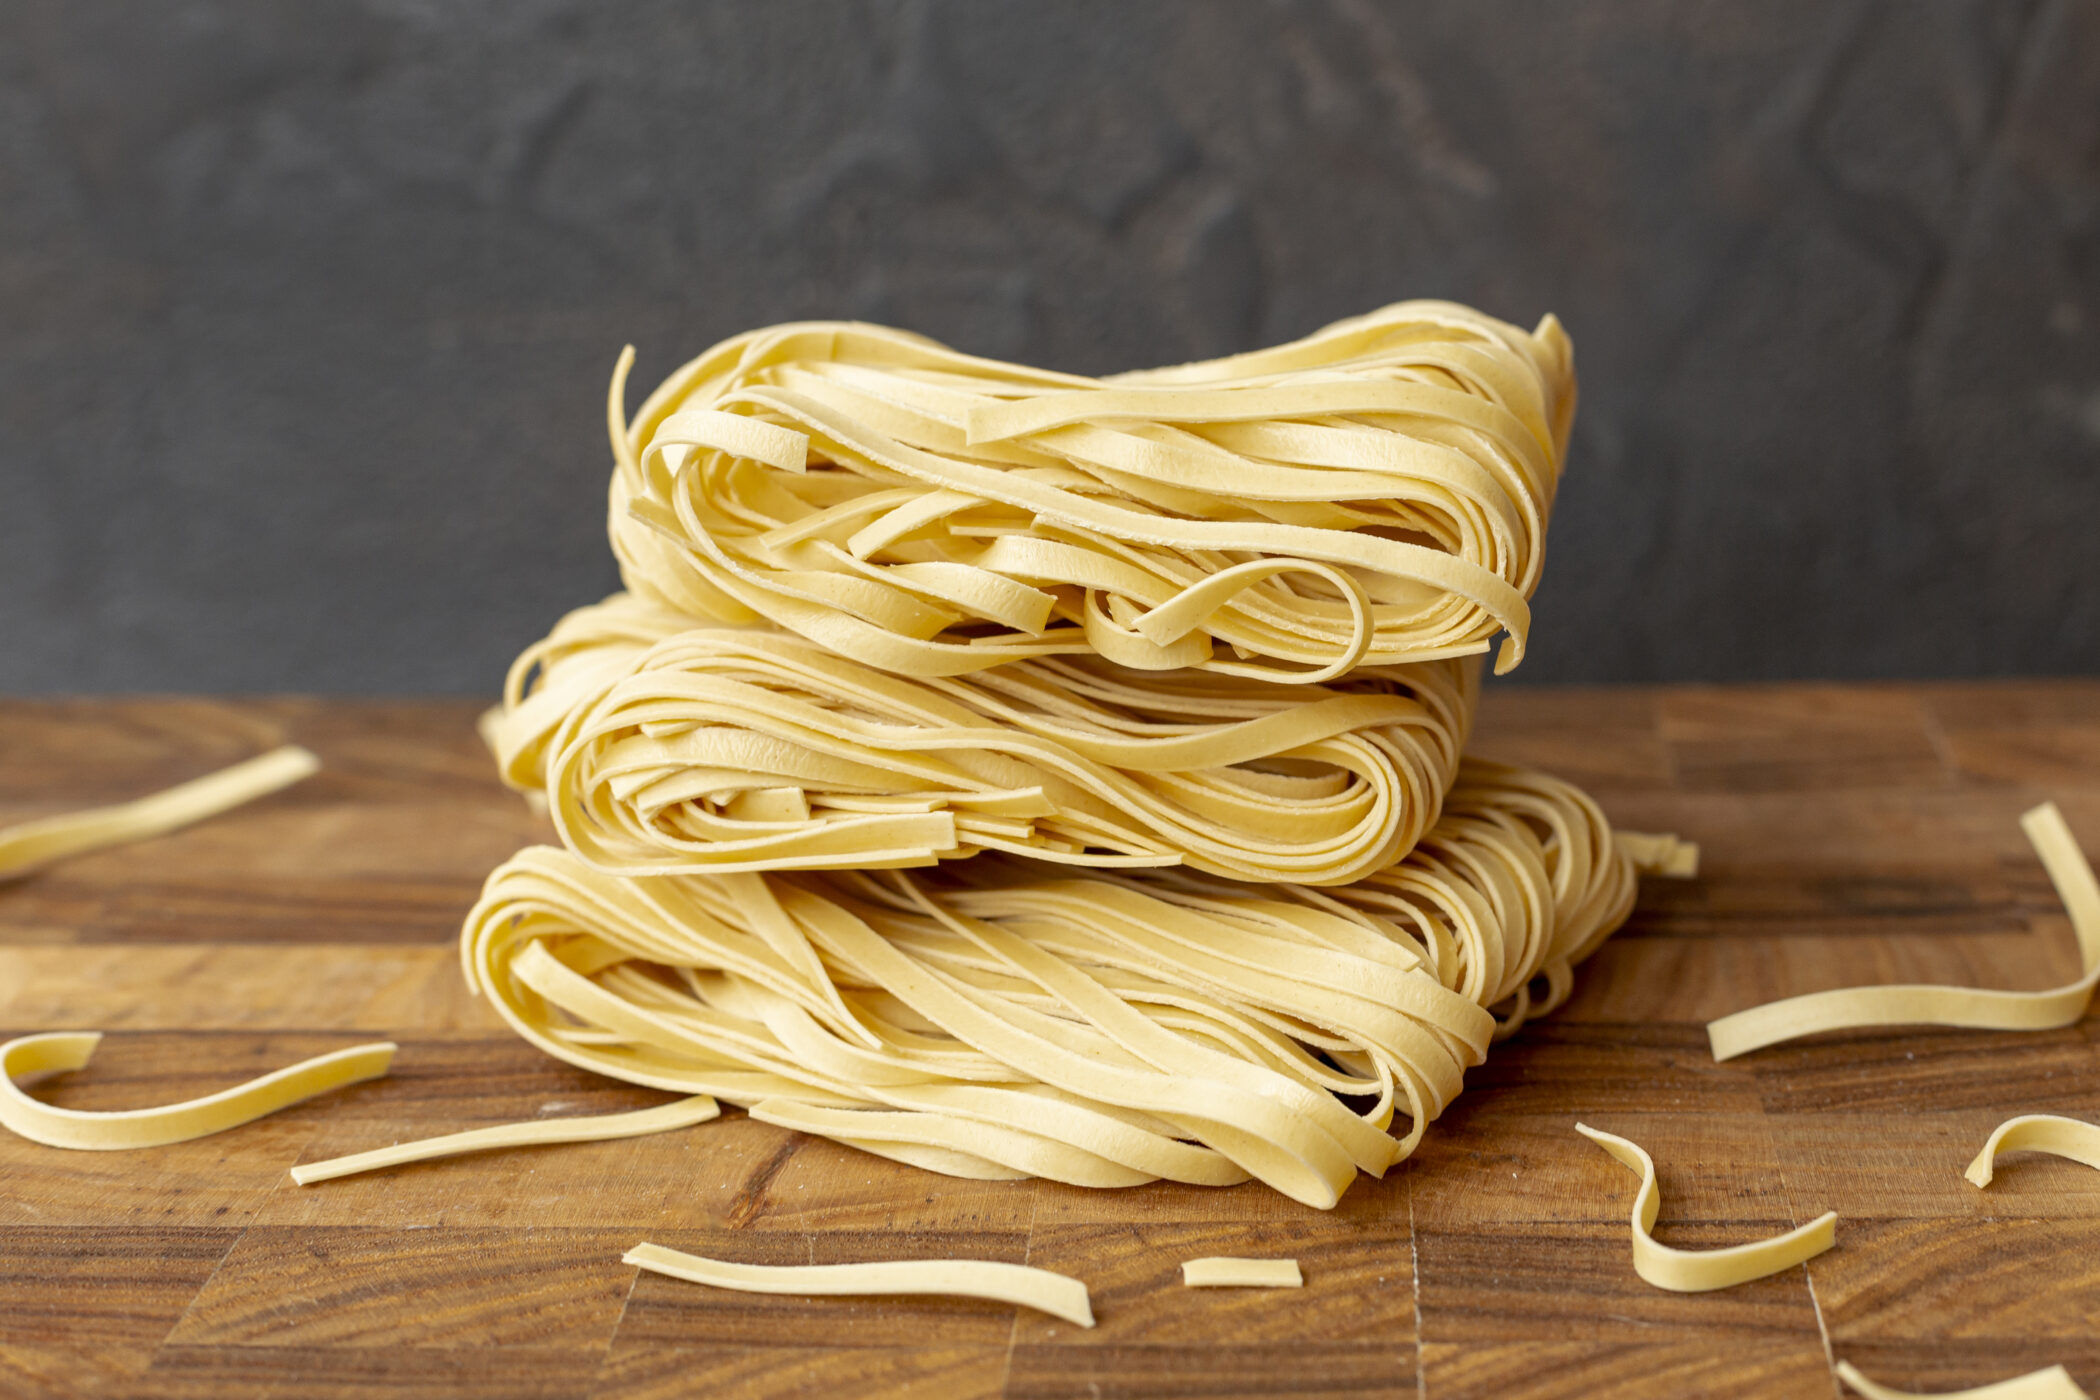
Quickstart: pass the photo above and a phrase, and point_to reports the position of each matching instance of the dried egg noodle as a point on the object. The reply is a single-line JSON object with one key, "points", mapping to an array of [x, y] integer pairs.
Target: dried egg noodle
{"points": [[683, 1113], [1850, 1008], [2049, 1383], [2037, 1132], [552, 677], [1374, 493], [34, 844], [996, 1019], [1703, 1270], [58, 1051], [1225, 1272], [1055, 1294], [735, 749]]}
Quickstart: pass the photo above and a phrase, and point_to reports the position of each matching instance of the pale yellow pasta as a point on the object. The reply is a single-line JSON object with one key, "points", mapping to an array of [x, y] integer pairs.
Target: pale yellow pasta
{"points": [[554, 675], [734, 749], [994, 1018], [1663, 853], [2037, 1132], [1850, 1008], [1225, 1272], [1056, 1294], [120, 1130], [34, 844], [1704, 1270], [1372, 494], [683, 1113], [2050, 1383]]}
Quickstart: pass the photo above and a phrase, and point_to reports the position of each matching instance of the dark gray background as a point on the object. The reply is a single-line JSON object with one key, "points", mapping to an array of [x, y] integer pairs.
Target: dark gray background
{"points": [[306, 309]]}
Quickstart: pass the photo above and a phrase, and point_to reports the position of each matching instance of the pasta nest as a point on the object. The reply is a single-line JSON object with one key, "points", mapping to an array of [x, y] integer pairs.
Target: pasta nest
{"points": [[734, 749], [1376, 493], [996, 1019]]}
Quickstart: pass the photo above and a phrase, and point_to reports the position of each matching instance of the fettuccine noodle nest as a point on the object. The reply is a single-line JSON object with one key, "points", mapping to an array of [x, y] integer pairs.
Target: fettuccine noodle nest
{"points": [[1376, 493], [735, 749], [994, 1019], [1017, 773]]}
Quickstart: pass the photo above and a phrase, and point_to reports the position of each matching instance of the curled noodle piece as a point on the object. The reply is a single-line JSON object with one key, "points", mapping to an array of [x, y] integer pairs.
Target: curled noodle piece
{"points": [[2037, 1132], [1056, 1294], [1851, 1008], [2049, 1383], [35, 844], [177, 1122], [661, 1119], [1702, 1271]]}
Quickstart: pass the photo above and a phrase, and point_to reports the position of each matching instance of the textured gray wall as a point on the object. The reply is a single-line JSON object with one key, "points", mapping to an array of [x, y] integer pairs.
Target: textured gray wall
{"points": [[306, 308]]}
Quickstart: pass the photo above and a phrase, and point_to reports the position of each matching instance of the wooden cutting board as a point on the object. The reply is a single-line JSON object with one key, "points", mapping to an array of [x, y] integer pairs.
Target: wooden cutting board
{"points": [[1851, 834]]}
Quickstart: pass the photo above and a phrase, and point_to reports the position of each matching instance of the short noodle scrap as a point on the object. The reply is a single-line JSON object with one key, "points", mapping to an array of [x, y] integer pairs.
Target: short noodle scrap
{"points": [[32, 845], [2049, 1383], [2037, 1132], [1851, 1008], [1227, 1272], [1056, 1294], [126, 1129], [538, 1132]]}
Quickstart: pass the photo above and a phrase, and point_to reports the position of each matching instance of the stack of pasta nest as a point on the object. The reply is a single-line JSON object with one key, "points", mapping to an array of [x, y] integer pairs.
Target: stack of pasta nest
{"points": [[1015, 773]]}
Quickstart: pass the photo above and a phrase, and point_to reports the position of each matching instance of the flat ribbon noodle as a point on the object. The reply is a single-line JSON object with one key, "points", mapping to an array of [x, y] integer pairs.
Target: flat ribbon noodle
{"points": [[1851, 1008], [179, 1122], [1224, 1272], [1702, 1271], [736, 749], [2049, 1383], [35, 844], [683, 1113], [993, 1018], [1374, 493], [1056, 1294], [2037, 1132]]}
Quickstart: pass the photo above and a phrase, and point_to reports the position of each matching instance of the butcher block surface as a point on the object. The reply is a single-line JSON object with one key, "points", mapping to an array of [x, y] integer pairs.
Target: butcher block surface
{"points": [[1851, 835]]}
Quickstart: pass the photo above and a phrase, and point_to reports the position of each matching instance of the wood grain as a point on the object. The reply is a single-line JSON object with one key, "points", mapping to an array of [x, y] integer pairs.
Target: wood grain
{"points": [[1850, 835]]}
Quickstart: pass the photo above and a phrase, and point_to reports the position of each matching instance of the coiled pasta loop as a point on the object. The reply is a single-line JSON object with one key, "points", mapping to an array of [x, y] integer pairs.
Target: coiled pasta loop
{"points": [[1375, 493], [992, 1019], [731, 749]]}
